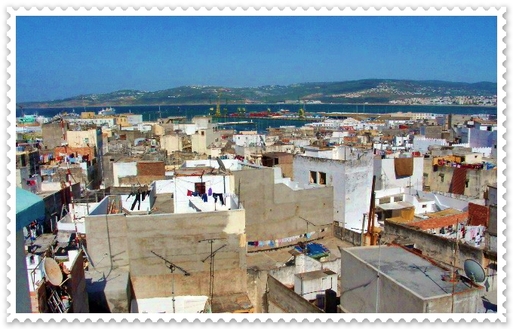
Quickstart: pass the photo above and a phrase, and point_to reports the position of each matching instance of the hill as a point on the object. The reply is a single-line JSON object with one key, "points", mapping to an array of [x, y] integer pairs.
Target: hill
{"points": [[358, 91]]}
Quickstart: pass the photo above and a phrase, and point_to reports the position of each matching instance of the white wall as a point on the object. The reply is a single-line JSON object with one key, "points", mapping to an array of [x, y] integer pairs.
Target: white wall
{"points": [[443, 202], [384, 169], [164, 186], [421, 143], [218, 184], [182, 304], [351, 181], [123, 169], [308, 289], [134, 119], [248, 140], [229, 164]]}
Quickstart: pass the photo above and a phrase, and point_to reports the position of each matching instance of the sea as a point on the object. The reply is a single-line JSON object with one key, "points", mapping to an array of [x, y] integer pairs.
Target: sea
{"points": [[154, 112]]}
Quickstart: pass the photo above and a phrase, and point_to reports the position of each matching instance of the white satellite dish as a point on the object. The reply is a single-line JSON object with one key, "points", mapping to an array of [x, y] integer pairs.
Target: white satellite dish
{"points": [[474, 271], [53, 272]]}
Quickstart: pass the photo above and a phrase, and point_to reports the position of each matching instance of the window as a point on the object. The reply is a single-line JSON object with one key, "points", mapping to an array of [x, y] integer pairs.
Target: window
{"points": [[322, 178], [313, 177], [424, 206], [276, 161], [199, 187], [384, 200], [202, 133]]}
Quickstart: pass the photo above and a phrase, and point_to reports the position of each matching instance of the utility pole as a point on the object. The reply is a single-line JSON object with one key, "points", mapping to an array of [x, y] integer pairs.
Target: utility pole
{"points": [[172, 268], [211, 270]]}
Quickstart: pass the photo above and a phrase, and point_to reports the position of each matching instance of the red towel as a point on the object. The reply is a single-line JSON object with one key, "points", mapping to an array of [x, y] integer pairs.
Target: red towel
{"points": [[458, 181]]}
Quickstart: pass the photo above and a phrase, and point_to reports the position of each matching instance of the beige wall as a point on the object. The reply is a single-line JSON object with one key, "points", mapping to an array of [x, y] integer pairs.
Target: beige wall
{"points": [[171, 143], [273, 210], [478, 180], [77, 138], [174, 237]]}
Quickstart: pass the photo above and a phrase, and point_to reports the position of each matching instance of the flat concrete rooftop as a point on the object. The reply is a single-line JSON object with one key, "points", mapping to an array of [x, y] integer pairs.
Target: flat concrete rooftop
{"points": [[411, 271], [272, 259], [164, 204], [313, 275]]}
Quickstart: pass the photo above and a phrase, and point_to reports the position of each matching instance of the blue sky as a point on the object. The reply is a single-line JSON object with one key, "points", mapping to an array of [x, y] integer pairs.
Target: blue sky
{"points": [[59, 57]]}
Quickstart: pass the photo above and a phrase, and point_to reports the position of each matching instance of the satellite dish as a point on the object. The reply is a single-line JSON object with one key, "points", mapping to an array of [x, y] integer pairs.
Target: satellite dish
{"points": [[221, 165], [474, 271], [53, 272]]}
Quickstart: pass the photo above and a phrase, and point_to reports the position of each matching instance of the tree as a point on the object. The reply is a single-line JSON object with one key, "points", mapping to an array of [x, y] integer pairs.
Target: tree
{"points": [[301, 113]]}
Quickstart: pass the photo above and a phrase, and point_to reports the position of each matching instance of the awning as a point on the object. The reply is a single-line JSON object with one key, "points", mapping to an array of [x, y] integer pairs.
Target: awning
{"points": [[29, 207]]}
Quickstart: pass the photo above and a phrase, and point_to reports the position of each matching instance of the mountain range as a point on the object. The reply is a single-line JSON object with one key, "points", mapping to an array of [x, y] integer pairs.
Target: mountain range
{"points": [[370, 91]]}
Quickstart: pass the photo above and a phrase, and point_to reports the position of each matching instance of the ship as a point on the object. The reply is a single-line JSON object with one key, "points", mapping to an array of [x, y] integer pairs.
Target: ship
{"points": [[107, 111]]}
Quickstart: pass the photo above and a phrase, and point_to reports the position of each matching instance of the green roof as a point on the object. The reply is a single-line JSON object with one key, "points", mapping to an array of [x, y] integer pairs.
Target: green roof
{"points": [[29, 207]]}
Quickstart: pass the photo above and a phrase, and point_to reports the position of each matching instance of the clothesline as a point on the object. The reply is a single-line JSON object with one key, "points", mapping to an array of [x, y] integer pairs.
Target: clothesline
{"points": [[277, 242]]}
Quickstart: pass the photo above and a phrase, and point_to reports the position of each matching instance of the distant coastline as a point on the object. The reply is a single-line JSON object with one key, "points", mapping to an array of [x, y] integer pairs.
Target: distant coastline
{"points": [[252, 104]]}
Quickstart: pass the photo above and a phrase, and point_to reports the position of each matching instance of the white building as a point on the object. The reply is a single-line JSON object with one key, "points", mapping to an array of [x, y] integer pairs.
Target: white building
{"points": [[249, 140], [99, 121], [422, 144], [349, 170], [387, 175], [309, 284]]}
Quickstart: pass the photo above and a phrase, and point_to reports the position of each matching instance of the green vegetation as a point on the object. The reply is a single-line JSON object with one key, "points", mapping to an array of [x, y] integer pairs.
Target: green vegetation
{"points": [[357, 91]]}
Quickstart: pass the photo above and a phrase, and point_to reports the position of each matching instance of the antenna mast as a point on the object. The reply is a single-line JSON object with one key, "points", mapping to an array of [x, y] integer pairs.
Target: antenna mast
{"points": [[172, 268], [212, 272]]}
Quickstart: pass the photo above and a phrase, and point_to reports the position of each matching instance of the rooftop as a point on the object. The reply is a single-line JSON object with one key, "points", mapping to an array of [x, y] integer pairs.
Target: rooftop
{"points": [[439, 222], [164, 204], [415, 273], [395, 205], [312, 275]]}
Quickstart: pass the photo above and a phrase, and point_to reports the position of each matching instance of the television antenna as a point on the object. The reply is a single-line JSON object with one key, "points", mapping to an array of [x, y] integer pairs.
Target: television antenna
{"points": [[211, 257], [172, 267], [307, 231]]}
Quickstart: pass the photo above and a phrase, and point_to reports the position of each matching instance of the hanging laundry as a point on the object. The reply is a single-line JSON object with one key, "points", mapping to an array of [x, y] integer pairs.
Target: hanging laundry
{"points": [[204, 197], [220, 196], [189, 193], [209, 191], [137, 200]]}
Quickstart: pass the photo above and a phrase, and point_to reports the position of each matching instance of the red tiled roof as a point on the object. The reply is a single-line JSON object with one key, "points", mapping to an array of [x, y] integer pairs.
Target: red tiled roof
{"points": [[478, 215], [439, 222]]}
